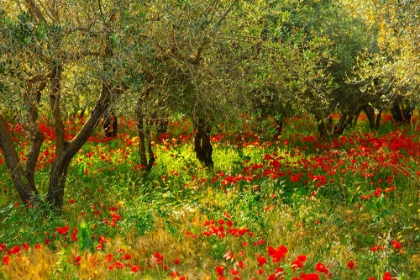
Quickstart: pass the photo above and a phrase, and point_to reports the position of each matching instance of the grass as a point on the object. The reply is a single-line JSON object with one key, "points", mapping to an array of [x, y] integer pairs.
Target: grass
{"points": [[346, 208]]}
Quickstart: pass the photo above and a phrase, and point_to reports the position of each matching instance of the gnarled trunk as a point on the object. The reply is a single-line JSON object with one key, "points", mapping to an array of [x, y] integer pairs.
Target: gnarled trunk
{"points": [[27, 191], [202, 145], [69, 148]]}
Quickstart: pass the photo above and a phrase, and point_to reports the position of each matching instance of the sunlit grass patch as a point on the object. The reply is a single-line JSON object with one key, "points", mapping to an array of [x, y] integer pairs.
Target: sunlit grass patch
{"points": [[346, 208]]}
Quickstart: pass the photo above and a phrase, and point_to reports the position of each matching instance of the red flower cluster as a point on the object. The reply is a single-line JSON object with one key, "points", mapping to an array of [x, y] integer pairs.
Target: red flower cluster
{"points": [[277, 254]]}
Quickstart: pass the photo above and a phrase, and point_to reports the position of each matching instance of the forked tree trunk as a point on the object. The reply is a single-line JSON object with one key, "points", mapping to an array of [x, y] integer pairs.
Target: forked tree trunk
{"points": [[202, 144], [70, 148]]}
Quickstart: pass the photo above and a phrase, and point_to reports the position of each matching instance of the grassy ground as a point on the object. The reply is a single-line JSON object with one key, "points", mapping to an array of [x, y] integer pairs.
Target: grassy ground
{"points": [[296, 208]]}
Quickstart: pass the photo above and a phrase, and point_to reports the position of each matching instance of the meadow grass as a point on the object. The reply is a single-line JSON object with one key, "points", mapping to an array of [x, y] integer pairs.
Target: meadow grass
{"points": [[295, 208]]}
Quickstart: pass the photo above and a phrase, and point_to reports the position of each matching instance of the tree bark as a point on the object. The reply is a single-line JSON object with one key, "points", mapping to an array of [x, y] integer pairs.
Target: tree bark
{"points": [[142, 136], [25, 189], [202, 144], [35, 135], [145, 144], [279, 127], [61, 163]]}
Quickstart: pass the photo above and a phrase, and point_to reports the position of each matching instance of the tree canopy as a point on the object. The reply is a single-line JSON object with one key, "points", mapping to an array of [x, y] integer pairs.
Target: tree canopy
{"points": [[210, 60]]}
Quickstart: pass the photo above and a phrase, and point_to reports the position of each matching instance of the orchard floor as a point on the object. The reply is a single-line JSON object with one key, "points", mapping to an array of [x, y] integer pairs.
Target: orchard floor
{"points": [[299, 207]]}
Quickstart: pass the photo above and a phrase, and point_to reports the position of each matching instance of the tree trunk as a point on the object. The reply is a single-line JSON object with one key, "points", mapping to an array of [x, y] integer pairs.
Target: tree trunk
{"points": [[145, 139], [62, 161], [202, 145], [378, 120], [110, 124], [323, 124], [141, 133], [35, 135], [57, 181], [279, 127], [25, 189], [370, 113]]}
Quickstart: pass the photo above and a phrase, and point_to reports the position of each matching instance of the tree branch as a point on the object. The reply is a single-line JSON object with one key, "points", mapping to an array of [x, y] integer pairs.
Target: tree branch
{"points": [[227, 12]]}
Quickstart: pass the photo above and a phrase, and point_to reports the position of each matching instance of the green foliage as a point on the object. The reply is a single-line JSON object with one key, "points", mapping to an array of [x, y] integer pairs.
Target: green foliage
{"points": [[84, 237]]}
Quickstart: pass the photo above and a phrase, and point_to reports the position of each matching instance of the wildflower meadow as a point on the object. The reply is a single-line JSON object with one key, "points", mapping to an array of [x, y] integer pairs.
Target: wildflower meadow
{"points": [[297, 207]]}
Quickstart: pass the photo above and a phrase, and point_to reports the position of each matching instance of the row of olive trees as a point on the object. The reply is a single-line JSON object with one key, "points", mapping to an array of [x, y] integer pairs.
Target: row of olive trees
{"points": [[163, 54], [388, 74], [210, 60]]}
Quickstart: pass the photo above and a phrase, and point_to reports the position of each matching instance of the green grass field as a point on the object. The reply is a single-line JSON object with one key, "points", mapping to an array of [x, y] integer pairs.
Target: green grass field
{"points": [[296, 208]]}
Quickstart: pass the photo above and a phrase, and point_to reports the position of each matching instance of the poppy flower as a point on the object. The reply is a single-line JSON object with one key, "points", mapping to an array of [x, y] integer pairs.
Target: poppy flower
{"points": [[6, 260], [261, 260], [350, 265], [320, 267], [278, 253], [310, 276], [387, 276], [15, 250], [135, 268], [397, 245], [220, 270], [109, 257]]}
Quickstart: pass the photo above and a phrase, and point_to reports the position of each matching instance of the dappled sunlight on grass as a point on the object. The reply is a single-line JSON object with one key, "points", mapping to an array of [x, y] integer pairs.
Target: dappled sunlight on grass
{"points": [[346, 208]]}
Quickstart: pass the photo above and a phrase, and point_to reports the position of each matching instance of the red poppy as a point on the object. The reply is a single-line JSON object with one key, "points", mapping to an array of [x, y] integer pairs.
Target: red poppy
{"points": [[261, 260], [63, 230], [6, 260], [220, 270], [135, 268], [277, 254], [350, 265], [320, 267], [397, 245], [15, 250], [158, 258], [119, 265], [109, 257], [387, 276], [310, 276]]}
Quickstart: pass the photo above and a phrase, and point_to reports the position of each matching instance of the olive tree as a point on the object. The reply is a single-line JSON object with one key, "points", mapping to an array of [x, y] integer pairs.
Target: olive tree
{"points": [[43, 42]]}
